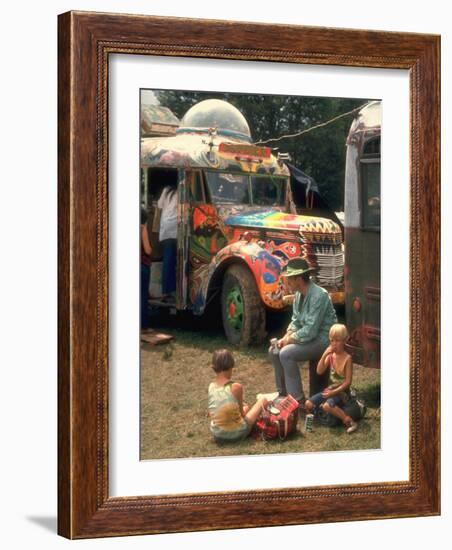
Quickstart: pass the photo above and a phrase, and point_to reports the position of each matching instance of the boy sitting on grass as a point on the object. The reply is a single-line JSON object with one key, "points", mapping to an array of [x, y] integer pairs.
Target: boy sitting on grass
{"points": [[230, 418]]}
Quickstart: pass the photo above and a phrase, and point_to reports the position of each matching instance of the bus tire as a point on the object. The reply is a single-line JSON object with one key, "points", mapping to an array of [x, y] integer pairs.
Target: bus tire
{"points": [[243, 312]]}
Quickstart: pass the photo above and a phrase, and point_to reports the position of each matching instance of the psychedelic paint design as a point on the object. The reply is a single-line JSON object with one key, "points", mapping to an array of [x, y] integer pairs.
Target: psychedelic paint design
{"points": [[264, 241]]}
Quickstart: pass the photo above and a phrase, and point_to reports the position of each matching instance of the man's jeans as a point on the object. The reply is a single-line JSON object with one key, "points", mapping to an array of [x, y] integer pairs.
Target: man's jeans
{"points": [[287, 372]]}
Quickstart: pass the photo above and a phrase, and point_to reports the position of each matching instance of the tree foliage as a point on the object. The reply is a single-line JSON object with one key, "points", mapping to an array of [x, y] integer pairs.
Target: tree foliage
{"points": [[320, 153]]}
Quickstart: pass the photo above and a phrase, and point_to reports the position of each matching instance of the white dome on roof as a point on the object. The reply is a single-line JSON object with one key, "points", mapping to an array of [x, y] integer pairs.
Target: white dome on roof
{"points": [[216, 113]]}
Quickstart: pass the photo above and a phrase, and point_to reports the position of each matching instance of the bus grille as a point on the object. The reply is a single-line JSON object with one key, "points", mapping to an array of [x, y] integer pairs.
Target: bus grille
{"points": [[330, 264]]}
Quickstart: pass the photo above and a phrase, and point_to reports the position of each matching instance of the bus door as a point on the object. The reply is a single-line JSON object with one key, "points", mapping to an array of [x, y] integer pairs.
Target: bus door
{"points": [[371, 252]]}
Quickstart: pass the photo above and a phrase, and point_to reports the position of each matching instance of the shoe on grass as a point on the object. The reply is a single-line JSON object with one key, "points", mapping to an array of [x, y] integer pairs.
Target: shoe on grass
{"points": [[351, 427]]}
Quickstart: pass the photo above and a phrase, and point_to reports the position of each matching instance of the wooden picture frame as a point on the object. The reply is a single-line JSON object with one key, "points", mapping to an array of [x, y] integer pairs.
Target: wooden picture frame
{"points": [[85, 42]]}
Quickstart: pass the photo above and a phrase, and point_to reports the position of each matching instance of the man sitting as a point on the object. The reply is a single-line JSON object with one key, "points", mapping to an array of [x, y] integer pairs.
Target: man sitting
{"points": [[307, 335]]}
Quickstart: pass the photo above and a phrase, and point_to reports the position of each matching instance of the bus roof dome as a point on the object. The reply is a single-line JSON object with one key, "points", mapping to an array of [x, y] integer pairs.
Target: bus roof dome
{"points": [[215, 113]]}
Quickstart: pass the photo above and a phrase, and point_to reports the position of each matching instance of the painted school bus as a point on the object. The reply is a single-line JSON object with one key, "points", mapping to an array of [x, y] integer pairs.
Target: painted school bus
{"points": [[237, 224], [362, 235]]}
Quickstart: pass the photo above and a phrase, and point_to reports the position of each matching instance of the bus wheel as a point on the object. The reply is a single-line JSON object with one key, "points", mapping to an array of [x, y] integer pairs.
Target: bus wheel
{"points": [[242, 310]]}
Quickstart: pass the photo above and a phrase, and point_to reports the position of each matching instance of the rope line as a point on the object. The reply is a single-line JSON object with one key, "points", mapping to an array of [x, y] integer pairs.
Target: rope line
{"points": [[320, 125]]}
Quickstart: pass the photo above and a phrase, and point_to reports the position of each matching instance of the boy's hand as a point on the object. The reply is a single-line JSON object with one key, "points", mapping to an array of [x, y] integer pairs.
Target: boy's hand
{"points": [[327, 392]]}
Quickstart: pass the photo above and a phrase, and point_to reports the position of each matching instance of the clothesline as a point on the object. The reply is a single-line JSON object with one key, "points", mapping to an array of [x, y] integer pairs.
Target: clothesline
{"points": [[320, 125]]}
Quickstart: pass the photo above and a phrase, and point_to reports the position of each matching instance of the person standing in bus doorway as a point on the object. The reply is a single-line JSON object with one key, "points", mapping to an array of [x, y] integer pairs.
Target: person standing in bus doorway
{"points": [[307, 335], [168, 238], [145, 269]]}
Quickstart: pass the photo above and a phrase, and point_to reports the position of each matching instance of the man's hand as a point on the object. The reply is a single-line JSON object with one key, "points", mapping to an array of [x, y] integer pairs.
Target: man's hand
{"points": [[284, 341], [327, 392]]}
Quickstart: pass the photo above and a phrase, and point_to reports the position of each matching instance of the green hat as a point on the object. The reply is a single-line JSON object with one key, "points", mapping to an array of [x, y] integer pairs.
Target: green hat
{"points": [[296, 266]]}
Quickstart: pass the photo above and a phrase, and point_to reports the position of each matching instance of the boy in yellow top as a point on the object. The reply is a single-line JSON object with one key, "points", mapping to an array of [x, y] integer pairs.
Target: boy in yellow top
{"points": [[336, 395], [230, 418]]}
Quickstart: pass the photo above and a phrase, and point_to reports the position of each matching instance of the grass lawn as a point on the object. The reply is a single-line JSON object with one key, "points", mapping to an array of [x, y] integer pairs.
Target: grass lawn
{"points": [[174, 382]]}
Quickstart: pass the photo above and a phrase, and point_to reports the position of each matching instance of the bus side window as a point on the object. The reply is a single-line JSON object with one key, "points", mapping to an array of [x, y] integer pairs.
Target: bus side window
{"points": [[371, 195]]}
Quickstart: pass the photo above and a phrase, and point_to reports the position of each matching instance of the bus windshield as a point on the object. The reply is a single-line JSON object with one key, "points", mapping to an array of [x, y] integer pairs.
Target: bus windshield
{"points": [[268, 191], [228, 188]]}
